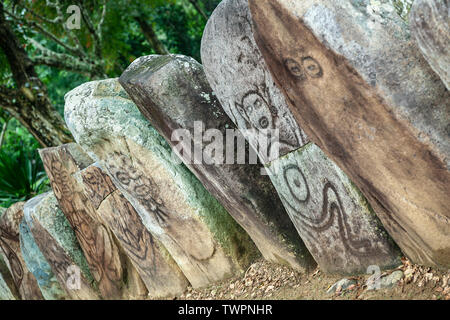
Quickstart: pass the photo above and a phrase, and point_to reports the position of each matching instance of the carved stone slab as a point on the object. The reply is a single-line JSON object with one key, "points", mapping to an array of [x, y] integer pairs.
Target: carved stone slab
{"points": [[8, 290], [229, 50], [337, 224], [98, 244], [242, 82], [10, 249], [362, 91], [430, 24], [159, 272], [57, 242], [194, 228], [133, 287], [247, 195], [39, 266]]}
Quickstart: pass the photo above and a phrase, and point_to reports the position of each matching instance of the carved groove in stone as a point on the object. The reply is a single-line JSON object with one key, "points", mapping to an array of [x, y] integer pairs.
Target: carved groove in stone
{"points": [[159, 272], [10, 245]]}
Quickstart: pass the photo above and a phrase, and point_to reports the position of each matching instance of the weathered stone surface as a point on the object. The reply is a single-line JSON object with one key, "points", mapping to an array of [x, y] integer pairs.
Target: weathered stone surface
{"points": [[10, 249], [99, 246], [430, 24], [334, 219], [234, 65], [39, 266], [392, 279], [8, 290], [362, 91], [196, 230], [159, 272], [173, 93], [242, 82], [57, 242], [385, 282]]}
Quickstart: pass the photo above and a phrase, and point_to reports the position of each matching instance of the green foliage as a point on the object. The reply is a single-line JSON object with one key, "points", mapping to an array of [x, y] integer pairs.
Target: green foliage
{"points": [[21, 177], [22, 174], [17, 138], [182, 29], [58, 83], [177, 23]]}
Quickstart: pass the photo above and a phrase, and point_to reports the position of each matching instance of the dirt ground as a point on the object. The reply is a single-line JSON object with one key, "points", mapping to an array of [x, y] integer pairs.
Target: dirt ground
{"points": [[264, 280]]}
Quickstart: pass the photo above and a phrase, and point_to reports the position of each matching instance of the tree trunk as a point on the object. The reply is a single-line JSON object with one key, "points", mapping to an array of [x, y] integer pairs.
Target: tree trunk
{"points": [[198, 8], [29, 103], [151, 37]]}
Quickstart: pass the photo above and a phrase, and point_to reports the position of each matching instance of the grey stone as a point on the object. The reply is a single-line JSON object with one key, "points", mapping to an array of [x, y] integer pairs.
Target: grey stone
{"points": [[334, 219], [173, 93], [358, 85], [430, 25], [150, 259], [341, 285], [242, 82], [235, 67], [392, 279], [108, 264], [194, 228], [57, 242], [385, 282]]}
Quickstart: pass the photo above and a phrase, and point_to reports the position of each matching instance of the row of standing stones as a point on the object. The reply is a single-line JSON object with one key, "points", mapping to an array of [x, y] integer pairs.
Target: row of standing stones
{"points": [[363, 124]]}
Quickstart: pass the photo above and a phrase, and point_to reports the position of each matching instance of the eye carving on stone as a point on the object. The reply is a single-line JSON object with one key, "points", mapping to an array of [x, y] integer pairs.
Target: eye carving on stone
{"points": [[256, 110], [312, 67], [264, 122], [308, 65], [294, 68], [259, 112]]}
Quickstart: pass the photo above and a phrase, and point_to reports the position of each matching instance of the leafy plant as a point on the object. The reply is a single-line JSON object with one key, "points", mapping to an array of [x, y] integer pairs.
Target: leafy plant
{"points": [[22, 177]]}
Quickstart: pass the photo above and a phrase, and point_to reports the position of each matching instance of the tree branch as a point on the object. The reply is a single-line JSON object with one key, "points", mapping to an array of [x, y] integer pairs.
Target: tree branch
{"points": [[91, 29], [2, 134], [151, 36], [56, 20], [100, 23], [37, 27], [70, 34], [64, 61], [198, 8]]}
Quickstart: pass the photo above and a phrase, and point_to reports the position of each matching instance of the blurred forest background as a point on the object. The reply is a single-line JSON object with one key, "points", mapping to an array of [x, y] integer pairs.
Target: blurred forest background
{"points": [[42, 59]]}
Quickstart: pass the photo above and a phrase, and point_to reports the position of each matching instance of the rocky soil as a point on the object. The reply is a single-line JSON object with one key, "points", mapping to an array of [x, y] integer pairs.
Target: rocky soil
{"points": [[264, 280]]}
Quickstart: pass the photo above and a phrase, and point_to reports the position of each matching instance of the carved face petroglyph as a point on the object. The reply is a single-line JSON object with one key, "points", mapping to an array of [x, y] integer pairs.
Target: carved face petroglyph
{"points": [[138, 184], [262, 114], [257, 111]]}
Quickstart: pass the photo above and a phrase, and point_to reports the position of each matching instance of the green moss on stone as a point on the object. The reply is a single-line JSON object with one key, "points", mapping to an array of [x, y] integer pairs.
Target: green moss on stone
{"points": [[50, 216]]}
